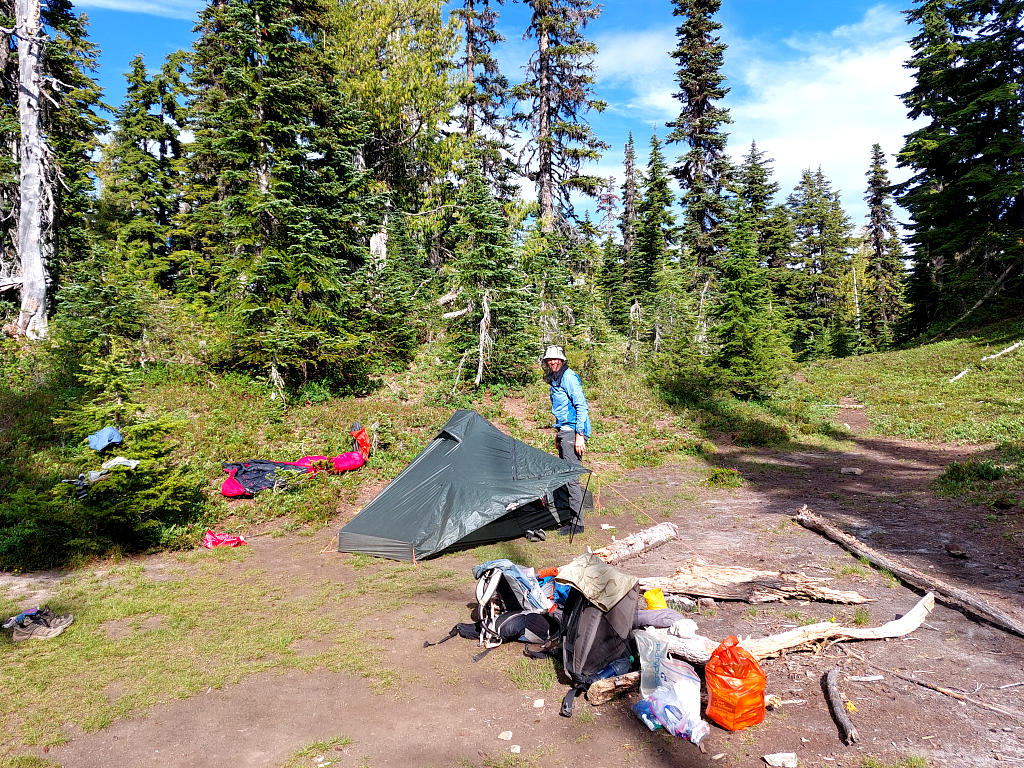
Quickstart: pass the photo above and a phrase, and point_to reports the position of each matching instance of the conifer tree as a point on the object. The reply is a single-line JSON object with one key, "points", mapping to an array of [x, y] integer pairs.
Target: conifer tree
{"points": [[490, 339], [751, 349], [966, 196], [611, 286], [655, 228], [757, 189], [278, 205], [702, 172], [885, 256], [139, 173], [629, 198], [557, 95], [820, 251], [482, 117]]}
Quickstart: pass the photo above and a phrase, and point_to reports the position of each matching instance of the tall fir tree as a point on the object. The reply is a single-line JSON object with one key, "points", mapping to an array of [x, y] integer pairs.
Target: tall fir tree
{"points": [[140, 171], [820, 251], [965, 196], [278, 205], [655, 228], [557, 94], [703, 172], [611, 286], [751, 350], [482, 114], [630, 197], [490, 336], [885, 257], [757, 189]]}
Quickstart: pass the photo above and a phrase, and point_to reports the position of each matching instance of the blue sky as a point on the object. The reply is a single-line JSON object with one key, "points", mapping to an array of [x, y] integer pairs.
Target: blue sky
{"points": [[814, 83]]}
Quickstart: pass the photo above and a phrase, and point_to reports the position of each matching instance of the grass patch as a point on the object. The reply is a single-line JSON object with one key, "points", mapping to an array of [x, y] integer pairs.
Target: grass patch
{"points": [[532, 674], [137, 641], [315, 755], [720, 477], [910, 761], [861, 617]]}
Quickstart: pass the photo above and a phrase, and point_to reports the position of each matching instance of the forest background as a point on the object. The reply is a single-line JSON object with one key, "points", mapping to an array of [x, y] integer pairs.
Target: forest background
{"points": [[316, 192]]}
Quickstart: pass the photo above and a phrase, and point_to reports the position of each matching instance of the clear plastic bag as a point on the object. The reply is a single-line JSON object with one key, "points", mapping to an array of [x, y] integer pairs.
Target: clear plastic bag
{"points": [[677, 705], [651, 650]]}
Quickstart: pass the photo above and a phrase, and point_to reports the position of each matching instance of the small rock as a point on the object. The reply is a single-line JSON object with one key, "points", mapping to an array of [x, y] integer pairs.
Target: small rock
{"points": [[719, 756], [538, 703], [505, 735], [851, 471], [515, 749], [954, 550], [773, 701], [705, 603], [781, 760]]}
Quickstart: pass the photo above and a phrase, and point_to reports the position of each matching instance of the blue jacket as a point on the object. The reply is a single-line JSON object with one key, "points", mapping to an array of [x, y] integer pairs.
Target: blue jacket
{"points": [[568, 403]]}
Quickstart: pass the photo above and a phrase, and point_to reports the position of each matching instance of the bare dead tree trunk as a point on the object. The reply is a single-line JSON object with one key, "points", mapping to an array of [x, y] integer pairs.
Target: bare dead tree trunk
{"points": [[545, 177], [32, 318], [485, 343], [470, 74]]}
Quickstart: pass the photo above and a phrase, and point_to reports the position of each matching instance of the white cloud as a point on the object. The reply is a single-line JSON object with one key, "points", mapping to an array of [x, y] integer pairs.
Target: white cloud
{"points": [[172, 9], [639, 62], [827, 104], [821, 99]]}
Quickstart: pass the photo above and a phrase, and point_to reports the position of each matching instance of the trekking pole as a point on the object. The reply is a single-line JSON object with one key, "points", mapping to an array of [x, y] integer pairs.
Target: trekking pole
{"points": [[578, 516]]}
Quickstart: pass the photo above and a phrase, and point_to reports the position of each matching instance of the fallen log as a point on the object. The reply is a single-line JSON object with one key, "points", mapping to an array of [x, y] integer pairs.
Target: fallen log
{"points": [[847, 730], [947, 593], [603, 691], [727, 582], [638, 542]]}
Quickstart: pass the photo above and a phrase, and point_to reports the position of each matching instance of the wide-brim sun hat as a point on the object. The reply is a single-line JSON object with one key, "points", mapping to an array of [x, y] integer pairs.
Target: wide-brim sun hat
{"points": [[553, 353]]}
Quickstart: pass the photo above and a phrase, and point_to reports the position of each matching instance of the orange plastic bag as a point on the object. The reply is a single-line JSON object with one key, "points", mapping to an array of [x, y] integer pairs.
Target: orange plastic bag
{"points": [[735, 686]]}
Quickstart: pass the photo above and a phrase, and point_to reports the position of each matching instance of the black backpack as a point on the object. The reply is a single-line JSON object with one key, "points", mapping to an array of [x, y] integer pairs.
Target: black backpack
{"points": [[595, 643]]}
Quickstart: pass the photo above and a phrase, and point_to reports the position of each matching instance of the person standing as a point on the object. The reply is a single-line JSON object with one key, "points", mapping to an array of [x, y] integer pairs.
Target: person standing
{"points": [[572, 429]]}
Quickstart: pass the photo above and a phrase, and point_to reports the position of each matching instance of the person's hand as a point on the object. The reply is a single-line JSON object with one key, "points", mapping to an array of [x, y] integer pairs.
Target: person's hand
{"points": [[581, 445]]}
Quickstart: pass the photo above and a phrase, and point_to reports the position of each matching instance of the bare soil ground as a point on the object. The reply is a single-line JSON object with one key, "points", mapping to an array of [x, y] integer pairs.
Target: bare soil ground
{"points": [[449, 711]]}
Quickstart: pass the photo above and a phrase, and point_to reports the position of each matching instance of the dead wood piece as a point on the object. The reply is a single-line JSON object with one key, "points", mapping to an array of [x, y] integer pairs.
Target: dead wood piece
{"points": [[952, 694], [726, 582], [605, 690], [1011, 348], [947, 593], [808, 636], [847, 730], [638, 542]]}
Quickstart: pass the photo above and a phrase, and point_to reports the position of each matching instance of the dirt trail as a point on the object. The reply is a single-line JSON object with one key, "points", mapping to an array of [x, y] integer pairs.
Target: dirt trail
{"points": [[449, 711]]}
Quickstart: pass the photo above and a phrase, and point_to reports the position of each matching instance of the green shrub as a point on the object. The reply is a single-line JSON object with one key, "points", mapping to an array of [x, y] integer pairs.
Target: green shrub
{"points": [[724, 478]]}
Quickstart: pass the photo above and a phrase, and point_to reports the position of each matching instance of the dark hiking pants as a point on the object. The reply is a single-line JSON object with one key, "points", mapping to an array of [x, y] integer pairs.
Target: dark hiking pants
{"points": [[570, 496]]}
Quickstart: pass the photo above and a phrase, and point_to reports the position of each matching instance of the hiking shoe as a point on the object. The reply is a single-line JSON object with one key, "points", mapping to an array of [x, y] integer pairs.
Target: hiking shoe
{"points": [[536, 535], [570, 530], [34, 629], [51, 619]]}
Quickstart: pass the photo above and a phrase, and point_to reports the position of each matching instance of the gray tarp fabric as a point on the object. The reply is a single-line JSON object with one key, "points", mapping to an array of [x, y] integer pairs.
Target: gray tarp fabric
{"points": [[472, 485]]}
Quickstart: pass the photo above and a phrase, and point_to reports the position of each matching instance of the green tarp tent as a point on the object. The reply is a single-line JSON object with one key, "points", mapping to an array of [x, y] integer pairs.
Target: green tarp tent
{"points": [[472, 485]]}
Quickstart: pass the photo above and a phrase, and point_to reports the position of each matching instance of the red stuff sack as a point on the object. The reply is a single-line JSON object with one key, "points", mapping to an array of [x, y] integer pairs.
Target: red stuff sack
{"points": [[362, 440], [735, 686]]}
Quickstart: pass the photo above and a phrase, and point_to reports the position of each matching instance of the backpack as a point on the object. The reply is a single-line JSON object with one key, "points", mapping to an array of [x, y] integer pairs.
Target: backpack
{"points": [[595, 642], [510, 606]]}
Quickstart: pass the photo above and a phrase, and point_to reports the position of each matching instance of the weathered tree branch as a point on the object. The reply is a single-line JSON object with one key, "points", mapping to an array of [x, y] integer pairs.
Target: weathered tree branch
{"points": [[847, 730], [638, 542], [947, 593]]}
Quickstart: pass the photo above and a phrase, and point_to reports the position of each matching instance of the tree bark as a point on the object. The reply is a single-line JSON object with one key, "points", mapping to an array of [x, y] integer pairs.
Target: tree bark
{"points": [[32, 318], [950, 595], [545, 174], [726, 582]]}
